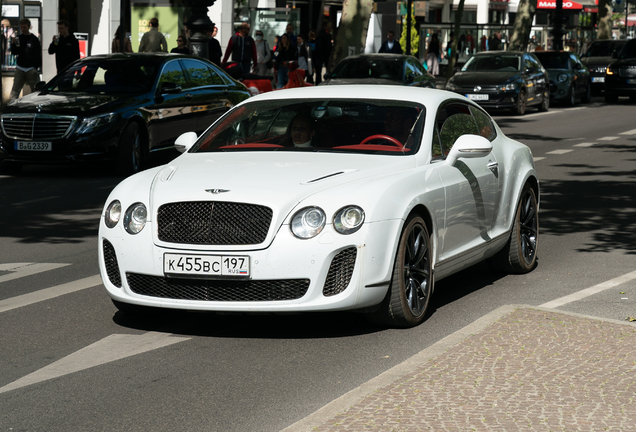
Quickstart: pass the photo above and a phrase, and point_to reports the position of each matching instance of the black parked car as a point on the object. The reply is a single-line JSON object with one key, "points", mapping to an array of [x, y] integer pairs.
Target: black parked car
{"points": [[503, 79], [120, 107], [569, 78], [620, 78], [597, 57], [391, 69]]}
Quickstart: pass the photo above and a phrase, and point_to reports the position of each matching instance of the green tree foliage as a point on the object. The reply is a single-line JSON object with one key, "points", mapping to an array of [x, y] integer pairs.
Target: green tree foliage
{"points": [[415, 35]]}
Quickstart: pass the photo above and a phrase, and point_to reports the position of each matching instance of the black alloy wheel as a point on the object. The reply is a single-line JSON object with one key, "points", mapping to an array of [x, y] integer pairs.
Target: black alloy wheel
{"points": [[545, 103], [571, 96], [520, 253], [130, 150], [407, 300]]}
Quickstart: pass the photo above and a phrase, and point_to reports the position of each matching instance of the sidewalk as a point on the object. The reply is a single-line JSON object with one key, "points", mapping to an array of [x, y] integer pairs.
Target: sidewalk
{"points": [[519, 368]]}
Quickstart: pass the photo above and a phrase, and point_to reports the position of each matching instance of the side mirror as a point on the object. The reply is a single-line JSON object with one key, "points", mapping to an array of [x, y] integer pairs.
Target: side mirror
{"points": [[39, 85], [469, 146], [185, 141], [169, 88]]}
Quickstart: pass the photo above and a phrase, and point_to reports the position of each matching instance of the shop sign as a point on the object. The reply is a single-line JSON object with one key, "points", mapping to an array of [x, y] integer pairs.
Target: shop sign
{"points": [[567, 5]]}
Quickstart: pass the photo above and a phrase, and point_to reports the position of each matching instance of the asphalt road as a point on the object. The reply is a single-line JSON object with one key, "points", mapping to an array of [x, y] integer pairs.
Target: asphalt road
{"points": [[70, 361]]}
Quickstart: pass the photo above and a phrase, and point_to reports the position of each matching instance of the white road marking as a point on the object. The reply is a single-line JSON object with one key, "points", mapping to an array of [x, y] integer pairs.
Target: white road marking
{"points": [[562, 151], [630, 132], [553, 112], [49, 293], [584, 145], [112, 348], [19, 270], [608, 138], [538, 158], [590, 291]]}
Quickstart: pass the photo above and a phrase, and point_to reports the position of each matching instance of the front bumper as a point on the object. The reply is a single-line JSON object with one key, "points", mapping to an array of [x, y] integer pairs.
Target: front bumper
{"points": [[620, 86], [495, 100], [327, 273]]}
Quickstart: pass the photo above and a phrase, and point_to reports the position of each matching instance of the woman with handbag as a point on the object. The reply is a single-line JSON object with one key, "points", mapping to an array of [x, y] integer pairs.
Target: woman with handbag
{"points": [[263, 54]]}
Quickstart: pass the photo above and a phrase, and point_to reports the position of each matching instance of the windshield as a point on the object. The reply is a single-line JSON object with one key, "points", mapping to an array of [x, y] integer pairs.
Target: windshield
{"points": [[604, 48], [629, 51], [333, 125], [106, 75], [553, 60], [364, 68], [489, 63]]}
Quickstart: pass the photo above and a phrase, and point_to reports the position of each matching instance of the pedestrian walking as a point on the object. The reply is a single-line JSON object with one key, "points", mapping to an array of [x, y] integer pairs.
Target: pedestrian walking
{"points": [[242, 48], [263, 54], [391, 46], [115, 48], [324, 45], [153, 40], [28, 50], [286, 52], [214, 47], [65, 46], [304, 56], [433, 54]]}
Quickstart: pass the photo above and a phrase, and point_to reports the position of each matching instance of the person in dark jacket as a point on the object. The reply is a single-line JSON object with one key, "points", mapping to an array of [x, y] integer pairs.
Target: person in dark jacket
{"points": [[214, 48], [182, 47], [29, 51], [65, 46], [285, 52], [391, 45], [243, 49], [323, 50]]}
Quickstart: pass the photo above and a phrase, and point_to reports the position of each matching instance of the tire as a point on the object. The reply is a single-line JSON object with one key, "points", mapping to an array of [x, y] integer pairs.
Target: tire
{"points": [[520, 253], [545, 103], [520, 108], [571, 97], [407, 299], [130, 151], [587, 96], [611, 97]]}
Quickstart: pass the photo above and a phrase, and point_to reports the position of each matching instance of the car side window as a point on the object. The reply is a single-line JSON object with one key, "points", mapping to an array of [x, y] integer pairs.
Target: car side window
{"points": [[172, 73], [408, 70], [200, 74], [576, 63], [417, 68], [454, 120], [527, 63], [484, 124]]}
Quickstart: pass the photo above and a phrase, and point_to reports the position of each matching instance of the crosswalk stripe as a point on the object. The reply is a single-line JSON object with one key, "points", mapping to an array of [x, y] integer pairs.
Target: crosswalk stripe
{"points": [[49, 293], [18, 270]]}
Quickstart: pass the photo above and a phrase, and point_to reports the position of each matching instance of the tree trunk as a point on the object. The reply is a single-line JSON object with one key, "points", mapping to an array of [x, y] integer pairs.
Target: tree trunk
{"points": [[604, 19], [453, 51], [522, 25], [352, 31]]}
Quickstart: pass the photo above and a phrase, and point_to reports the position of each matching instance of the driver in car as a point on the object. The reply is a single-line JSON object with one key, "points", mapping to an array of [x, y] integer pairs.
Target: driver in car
{"points": [[301, 130]]}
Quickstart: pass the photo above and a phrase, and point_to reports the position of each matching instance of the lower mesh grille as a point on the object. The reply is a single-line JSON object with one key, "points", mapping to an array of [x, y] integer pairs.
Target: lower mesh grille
{"points": [[110, 261], [217, 290], [340, 272]]}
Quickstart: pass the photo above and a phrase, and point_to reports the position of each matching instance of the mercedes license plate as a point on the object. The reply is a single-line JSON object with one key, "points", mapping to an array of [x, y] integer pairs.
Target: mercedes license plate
{"points": [[33, 145], [477, 96], [206, 265]]}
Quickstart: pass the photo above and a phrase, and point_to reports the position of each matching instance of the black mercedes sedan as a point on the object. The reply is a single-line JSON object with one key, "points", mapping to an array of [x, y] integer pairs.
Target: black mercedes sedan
{"points": [[387, 69], [503, 79], [620, 77], [120, 107]]}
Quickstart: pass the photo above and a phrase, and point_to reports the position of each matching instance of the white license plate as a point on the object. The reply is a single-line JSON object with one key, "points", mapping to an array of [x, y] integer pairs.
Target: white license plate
{"points": [[33, 146], [477, 96], [598, 79], [631, 81], [206, 265]]}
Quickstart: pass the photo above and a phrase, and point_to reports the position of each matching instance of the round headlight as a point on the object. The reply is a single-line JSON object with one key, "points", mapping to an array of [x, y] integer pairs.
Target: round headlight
{"points": [[135, 218], [113, 214], [562, 77], [348, 219], [308, 222]]}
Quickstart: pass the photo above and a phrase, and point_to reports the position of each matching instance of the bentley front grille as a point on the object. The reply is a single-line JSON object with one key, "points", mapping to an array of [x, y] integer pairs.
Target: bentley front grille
{"points": [[217, 290], [37, 127], [110, 261], [340, 272], [213, 223]]}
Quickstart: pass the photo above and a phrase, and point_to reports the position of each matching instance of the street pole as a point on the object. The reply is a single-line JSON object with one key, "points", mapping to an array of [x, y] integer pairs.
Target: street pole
{"points": [[199, 25], [409, 5], [557, 32]]}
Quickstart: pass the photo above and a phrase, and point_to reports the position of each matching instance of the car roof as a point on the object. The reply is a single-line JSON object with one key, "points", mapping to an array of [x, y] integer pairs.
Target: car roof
{"points": [[141, 55], [424, 96]]}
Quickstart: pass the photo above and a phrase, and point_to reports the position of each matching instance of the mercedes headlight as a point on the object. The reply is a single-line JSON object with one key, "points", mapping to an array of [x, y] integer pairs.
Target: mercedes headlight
{"points": [[113, 214], [308, 222], [135, 218], [90, 123], [562, 78], [348, 219]]}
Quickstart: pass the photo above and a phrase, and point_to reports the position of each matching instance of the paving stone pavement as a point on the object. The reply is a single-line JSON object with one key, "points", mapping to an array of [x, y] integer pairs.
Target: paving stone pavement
{"points": [[520, 368]]}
